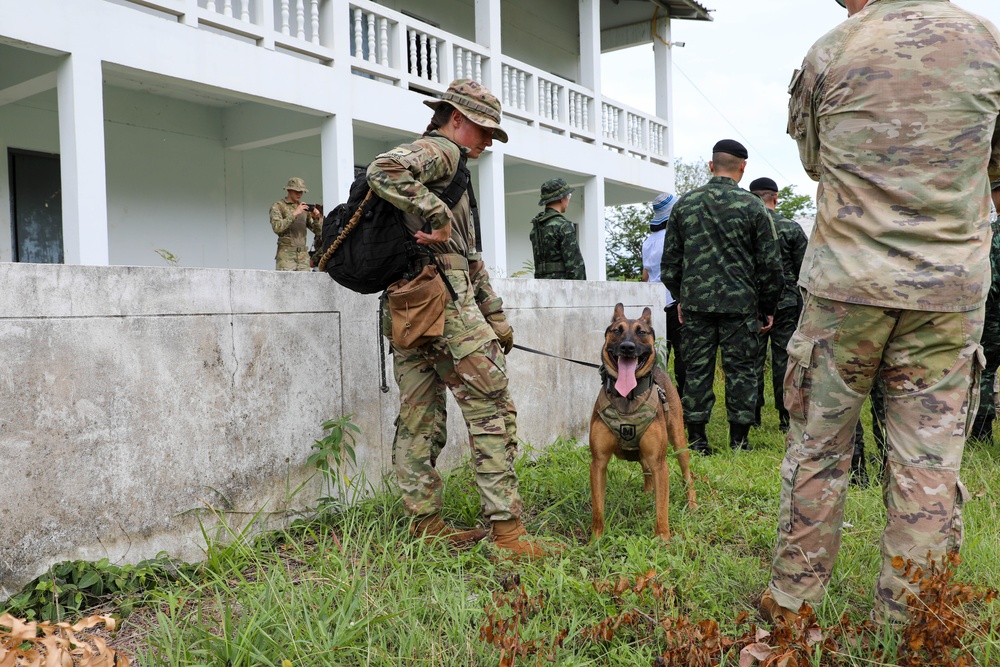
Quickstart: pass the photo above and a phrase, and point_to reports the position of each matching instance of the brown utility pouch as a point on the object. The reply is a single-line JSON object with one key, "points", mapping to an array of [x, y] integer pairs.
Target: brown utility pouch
{"points": [[416, 308]]}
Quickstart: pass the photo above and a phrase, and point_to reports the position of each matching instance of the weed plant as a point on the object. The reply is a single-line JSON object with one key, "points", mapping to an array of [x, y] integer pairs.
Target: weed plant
{"points": [[351, 587]]}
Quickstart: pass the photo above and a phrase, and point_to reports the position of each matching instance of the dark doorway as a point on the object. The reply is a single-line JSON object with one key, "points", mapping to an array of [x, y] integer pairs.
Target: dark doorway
{"points": [[36, 207]]}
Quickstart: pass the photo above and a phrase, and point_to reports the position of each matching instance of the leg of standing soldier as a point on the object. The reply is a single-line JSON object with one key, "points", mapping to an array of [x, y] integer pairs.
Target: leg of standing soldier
{"points": [[939, 355], [475, 371], [982, 427], [675, 342], [785, 321], [877, 407], [834, 356], [739, 337], [419, 428], [764, 341], [701, 345]]}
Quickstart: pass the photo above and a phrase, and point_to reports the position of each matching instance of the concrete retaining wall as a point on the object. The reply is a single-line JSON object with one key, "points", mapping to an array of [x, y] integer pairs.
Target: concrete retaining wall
{"points": [[132, 399]]}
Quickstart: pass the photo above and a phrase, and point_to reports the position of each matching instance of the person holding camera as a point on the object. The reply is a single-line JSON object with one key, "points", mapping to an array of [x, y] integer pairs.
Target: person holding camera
{"points": [[290, 218]]}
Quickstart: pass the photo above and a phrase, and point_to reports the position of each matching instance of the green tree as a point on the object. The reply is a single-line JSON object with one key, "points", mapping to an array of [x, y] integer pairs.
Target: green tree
{"points": [[794, 206], [690, 175], [627, 227]]}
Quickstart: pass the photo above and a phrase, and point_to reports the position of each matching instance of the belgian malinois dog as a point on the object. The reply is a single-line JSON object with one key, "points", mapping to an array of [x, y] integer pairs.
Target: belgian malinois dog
{"points": [[636, 413]]}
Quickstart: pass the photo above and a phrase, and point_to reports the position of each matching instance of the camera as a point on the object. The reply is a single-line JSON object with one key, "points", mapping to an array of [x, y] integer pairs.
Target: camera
{"points": [[309, 207]]}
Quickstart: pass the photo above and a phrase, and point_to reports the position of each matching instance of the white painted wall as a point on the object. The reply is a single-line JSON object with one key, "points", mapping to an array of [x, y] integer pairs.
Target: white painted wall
{"points": [[134, 395]]}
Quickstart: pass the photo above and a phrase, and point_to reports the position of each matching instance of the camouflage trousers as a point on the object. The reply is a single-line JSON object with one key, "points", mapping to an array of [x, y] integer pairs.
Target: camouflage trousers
{"points": [[705, 334], [776, 339], [292, 258], [468, 360], [929, 364]]}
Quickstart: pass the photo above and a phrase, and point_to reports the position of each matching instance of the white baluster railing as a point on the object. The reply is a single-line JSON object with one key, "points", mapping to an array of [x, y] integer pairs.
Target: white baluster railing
{"points": [[285, 27], [634, 124], [514, 88], [468, 64], [610, 121], [549, 93]]}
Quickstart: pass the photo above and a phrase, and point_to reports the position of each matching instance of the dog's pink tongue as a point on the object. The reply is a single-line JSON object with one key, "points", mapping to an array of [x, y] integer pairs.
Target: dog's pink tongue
{"points": [[626, 375]]}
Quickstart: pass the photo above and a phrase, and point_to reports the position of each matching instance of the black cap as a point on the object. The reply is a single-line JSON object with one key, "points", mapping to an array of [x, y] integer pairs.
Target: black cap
{"points": [[732, 147], [765, 183]]}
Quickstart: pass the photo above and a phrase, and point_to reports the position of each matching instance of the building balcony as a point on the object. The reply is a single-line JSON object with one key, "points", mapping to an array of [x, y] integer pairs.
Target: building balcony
{"points": [[398, 50]]}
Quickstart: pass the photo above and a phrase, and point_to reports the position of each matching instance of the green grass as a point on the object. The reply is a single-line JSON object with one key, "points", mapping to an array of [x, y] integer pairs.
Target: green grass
{"points": [[353, 588]]}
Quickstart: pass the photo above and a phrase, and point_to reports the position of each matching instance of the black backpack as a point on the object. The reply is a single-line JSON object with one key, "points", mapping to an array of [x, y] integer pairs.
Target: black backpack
{"points": [[366, 245]]}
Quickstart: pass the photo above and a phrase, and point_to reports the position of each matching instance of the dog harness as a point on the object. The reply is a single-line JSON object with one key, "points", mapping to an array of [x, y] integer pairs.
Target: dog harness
{"points": [[630, 427]]}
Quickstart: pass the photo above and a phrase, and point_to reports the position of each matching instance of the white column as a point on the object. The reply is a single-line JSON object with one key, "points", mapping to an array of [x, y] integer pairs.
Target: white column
{"points": [[590, 59], [663, 76], [490, 196], [81, 157], [336, 159], [488, 35], [592, 232], [6, 254]]}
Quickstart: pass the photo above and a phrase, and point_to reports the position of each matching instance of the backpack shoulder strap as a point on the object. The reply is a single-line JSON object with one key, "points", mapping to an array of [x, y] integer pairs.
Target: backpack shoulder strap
{"points": [[460, 183]]}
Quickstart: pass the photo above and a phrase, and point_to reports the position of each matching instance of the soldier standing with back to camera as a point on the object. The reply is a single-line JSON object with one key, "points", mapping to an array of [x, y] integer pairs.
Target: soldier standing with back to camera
{"points": [[468, 358], [895, 114], [290, 218], [554, 241], [792, 243], [721, 263]]}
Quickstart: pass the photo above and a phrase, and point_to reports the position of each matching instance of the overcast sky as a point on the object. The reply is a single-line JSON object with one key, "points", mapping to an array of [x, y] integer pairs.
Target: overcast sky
{"points": [[741, 62]]}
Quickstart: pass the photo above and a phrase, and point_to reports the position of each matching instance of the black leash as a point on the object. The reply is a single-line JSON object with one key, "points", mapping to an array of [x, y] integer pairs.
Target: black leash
{"points": [[555, 356]]}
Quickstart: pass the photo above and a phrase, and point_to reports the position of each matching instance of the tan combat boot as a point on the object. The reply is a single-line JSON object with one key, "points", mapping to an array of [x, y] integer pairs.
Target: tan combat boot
{"points": [[511, 536], [772, 612], [434, 527]]}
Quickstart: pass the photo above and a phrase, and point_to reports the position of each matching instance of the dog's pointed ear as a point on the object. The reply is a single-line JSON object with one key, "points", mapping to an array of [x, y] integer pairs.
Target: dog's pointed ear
{"points": [[619, 312], [647, 316]]}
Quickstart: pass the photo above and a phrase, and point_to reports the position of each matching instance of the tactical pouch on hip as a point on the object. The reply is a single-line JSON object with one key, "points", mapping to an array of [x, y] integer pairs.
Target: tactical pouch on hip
{"points": [[416, 308]]}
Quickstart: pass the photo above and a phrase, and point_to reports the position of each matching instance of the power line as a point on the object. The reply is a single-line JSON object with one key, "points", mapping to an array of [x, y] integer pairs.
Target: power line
{"points": [[732, 125]]}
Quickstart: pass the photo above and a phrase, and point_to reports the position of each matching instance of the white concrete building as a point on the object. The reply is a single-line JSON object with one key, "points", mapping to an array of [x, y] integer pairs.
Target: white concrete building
{"points": [[158, 132]]}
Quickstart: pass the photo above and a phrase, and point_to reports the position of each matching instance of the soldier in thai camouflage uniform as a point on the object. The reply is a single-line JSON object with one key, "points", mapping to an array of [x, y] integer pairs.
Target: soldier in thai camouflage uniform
{"points": [[982, 427], [468, 358], [554, 242], [895, 114], [792, 244], [290, 218], [721, 262]]}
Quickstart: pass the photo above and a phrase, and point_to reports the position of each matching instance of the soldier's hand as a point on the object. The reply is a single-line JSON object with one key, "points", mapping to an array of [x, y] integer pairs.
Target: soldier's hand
{"points": [[439, 235], [505, 335], [768, 323]]}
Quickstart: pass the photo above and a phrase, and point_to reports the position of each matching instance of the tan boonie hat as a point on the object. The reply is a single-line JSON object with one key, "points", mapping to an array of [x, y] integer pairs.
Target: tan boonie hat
{"points": [[475, 102], [297, 184]]}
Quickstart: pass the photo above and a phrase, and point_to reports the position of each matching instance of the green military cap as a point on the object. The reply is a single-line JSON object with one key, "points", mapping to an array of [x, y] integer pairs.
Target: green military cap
{"points": [[554, 189], [297, 184], [842, 3], [474, 101], [995, 185]]}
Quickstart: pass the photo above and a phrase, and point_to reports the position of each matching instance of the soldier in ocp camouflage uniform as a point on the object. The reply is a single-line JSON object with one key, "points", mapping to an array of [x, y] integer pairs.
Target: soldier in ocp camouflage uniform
{"points": [[721, 263], [289, 220], [894, 112], [792, 243], [554, 241], [982, 427], [467, 358]]}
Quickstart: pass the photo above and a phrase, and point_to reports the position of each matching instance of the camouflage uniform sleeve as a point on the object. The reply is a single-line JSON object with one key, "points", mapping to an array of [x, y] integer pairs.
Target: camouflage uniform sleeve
{"points": [[399, 175], [573, 263], [488, 300], [672, 261], [315, 225], [282, 217], [767, 262], [802, 118]]}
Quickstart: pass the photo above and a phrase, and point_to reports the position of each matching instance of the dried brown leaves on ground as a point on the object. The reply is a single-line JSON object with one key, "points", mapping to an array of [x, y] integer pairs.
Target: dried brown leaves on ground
{"points": [[936, 635], [30, 644]]}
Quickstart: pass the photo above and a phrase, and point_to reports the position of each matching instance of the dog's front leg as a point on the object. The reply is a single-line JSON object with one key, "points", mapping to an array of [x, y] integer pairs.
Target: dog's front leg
{"points": [[598, 485], [661, 495]]}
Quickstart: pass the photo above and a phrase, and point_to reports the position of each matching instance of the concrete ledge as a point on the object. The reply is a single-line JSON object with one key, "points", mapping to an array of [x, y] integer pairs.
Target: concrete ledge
{"points": [[132, 398]]}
